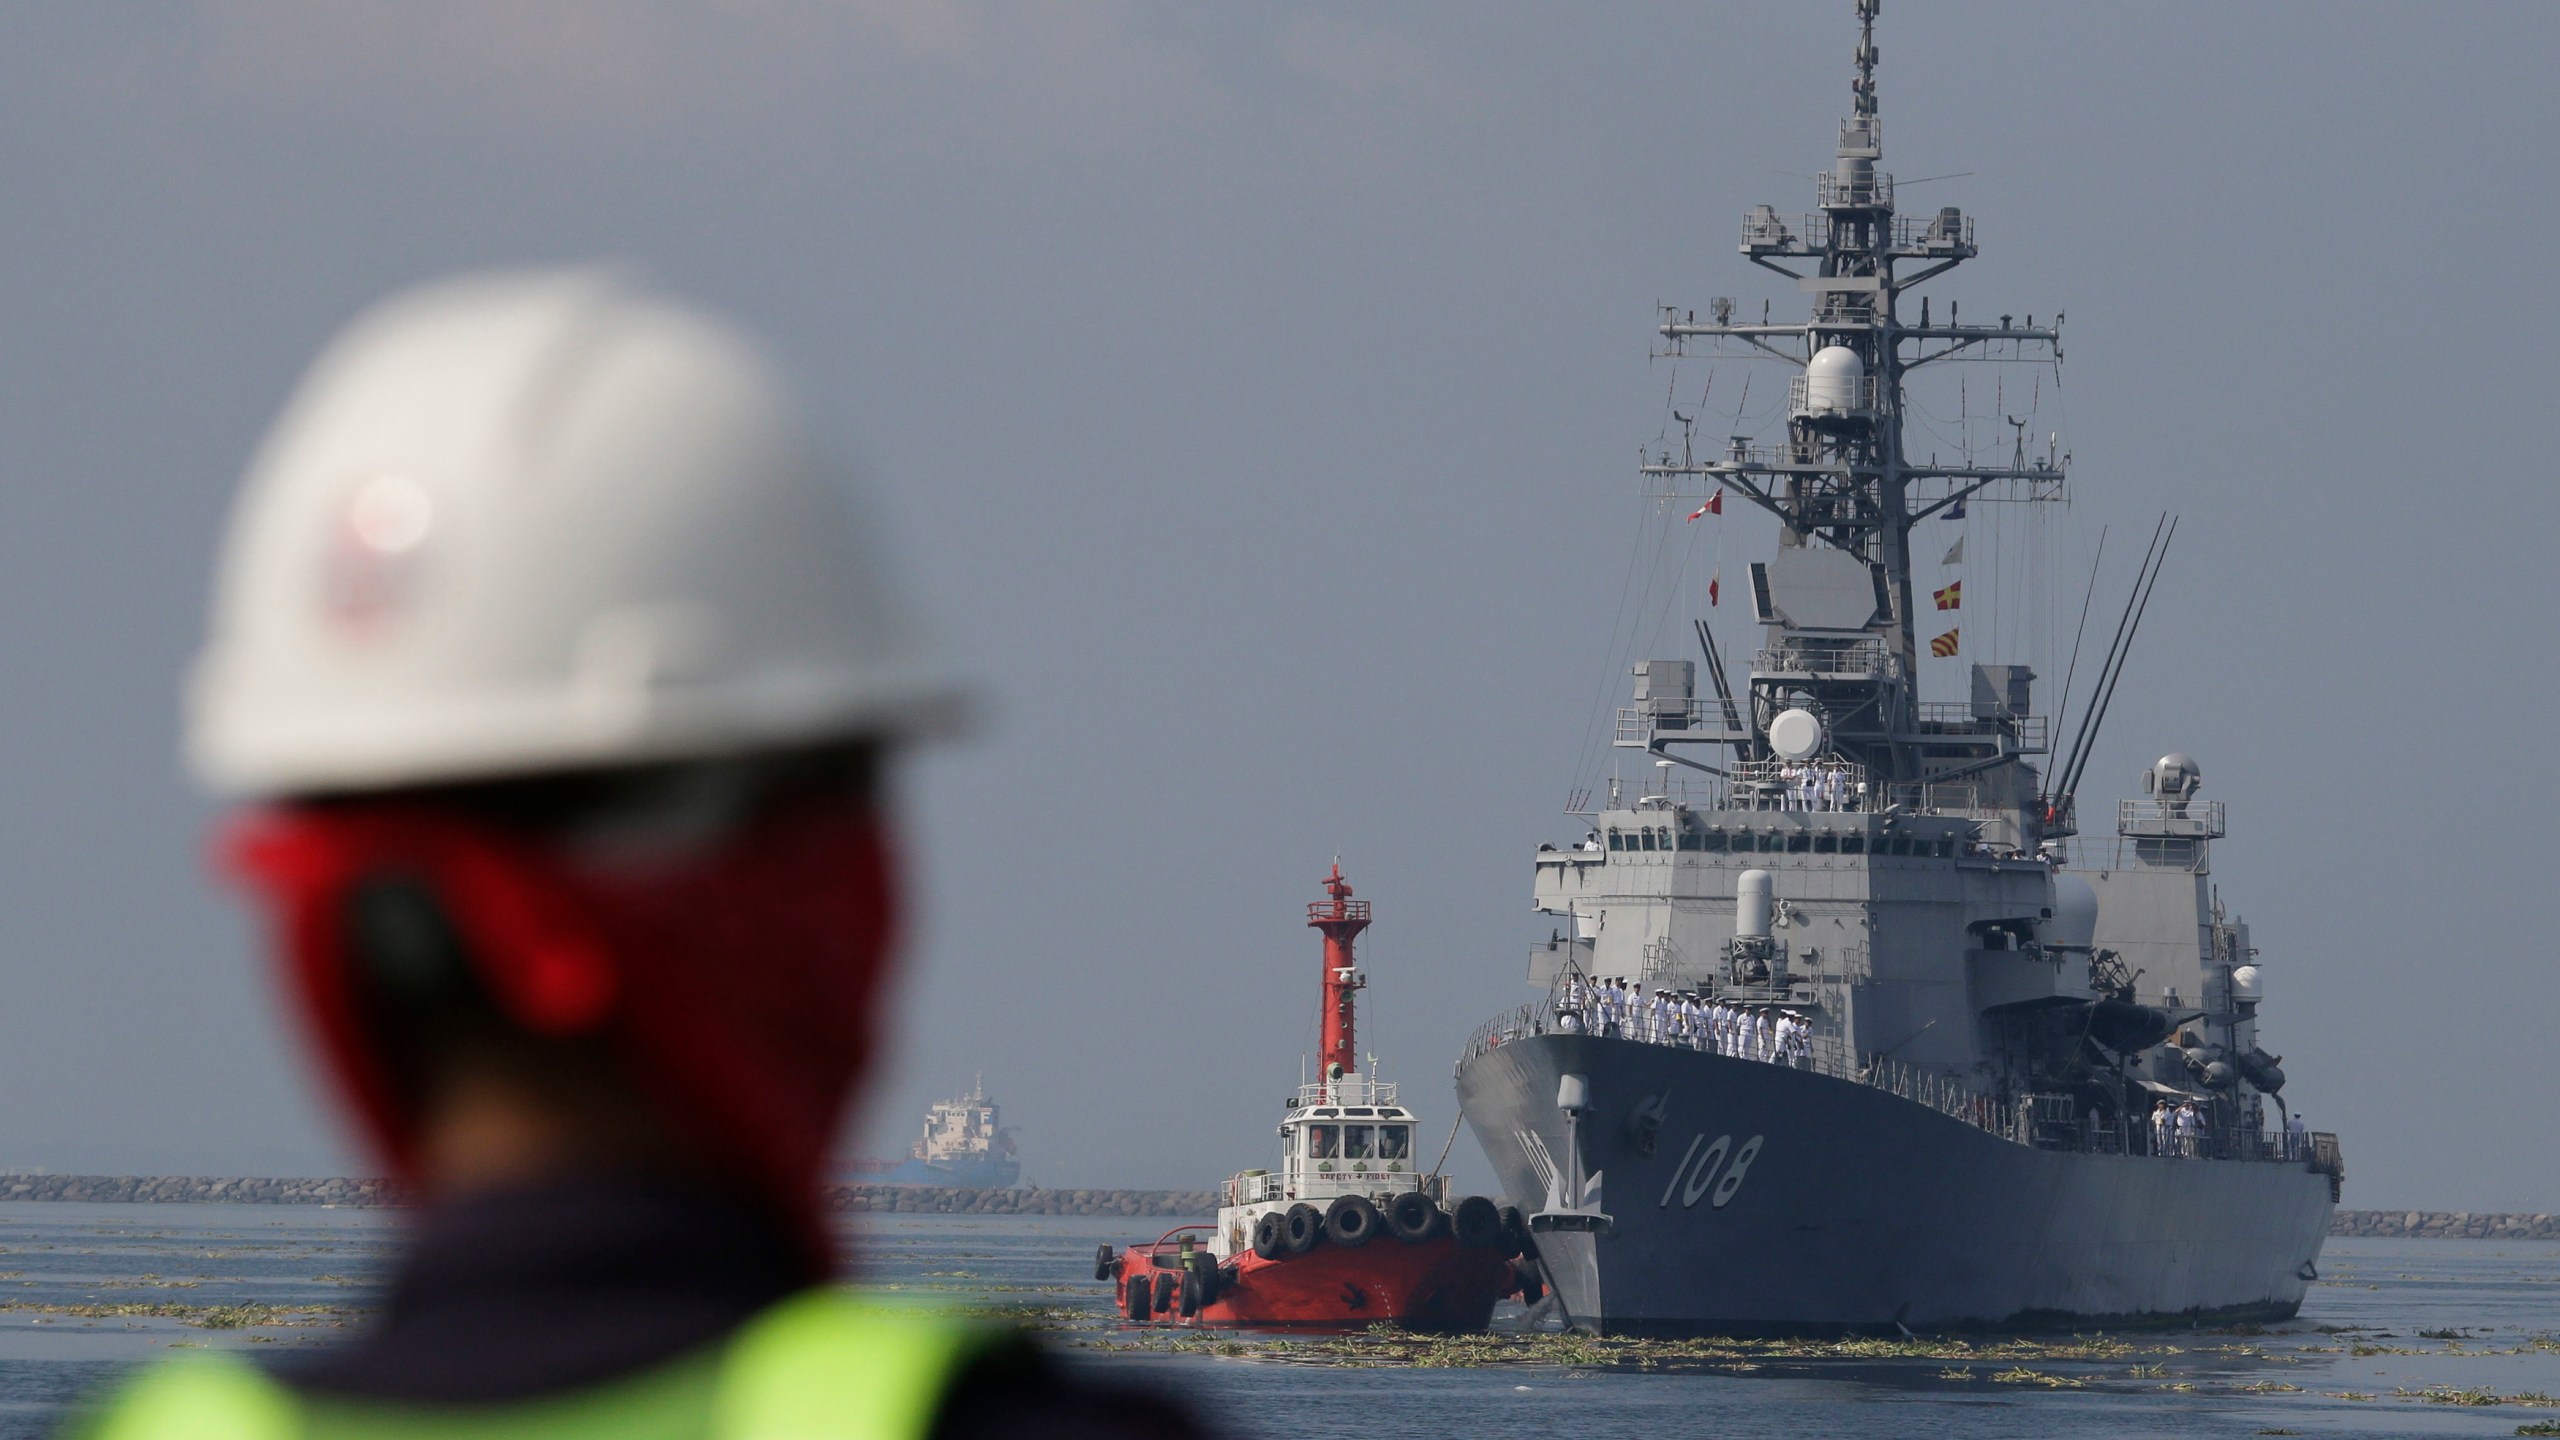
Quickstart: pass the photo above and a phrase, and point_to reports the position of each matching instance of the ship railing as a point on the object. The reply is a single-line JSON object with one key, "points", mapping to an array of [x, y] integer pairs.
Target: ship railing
{"points": [[2136, 1136], [1847, 657], [1570, 1008], [2169, 820], [1874, 188], [1960, 717], [1943, 1093], [1351, 1089], [1863, 397], [2040, 1122], [1699, 721], [1836, 785], [1273, 1186], [1933, 233]]}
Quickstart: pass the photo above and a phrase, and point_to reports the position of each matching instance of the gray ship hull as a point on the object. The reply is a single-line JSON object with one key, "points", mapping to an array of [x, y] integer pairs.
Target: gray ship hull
{"points": [[1859, 1210]]}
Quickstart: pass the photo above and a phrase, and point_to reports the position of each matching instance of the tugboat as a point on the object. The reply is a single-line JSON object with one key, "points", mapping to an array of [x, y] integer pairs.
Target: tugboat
{"points": [[1349, 1232]]}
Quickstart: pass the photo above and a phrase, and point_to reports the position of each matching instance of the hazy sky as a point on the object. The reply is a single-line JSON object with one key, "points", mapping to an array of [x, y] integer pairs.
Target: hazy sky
{"points": [[1254, 392]]}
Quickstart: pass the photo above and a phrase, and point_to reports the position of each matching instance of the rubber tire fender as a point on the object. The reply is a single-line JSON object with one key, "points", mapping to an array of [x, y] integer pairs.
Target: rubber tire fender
{"points": [[1351, 1221], [1302, 1228], [1138, 1306], [1105, 1261], [1476, 1223], [1194, 1293], [1271, 1235], [1413, 1219], [1164, 1292]]}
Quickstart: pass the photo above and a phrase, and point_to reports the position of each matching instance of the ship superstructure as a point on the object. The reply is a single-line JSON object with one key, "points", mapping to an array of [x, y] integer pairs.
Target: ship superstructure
{"points": [[965, 1145], [2021, 1079]]}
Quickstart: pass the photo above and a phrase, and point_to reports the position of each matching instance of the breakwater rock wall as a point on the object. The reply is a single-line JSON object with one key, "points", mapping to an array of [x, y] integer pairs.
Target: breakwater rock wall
{"points": [[361, 1194], [180, 1189], [2445, 1225], [926, 1200]]}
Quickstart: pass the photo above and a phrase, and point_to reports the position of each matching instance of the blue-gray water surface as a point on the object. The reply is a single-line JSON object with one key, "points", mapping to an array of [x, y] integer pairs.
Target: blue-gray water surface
{"points": [[2399, 1337]]}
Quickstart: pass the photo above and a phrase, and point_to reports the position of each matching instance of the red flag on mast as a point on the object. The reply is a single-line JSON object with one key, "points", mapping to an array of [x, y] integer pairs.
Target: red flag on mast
{"points": [[1714, 505]]}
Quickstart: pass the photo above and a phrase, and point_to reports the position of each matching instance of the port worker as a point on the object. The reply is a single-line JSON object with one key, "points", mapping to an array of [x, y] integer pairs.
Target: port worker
{"points": [[557, 676]]}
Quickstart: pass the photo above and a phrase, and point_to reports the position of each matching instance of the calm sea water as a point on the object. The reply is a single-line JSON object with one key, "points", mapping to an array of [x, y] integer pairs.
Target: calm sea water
{"points": [[2395, 1334]]}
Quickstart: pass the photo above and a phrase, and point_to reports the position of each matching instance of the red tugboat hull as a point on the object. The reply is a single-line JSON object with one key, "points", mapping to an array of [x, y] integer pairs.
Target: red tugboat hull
{"points": [[1437, 1286]]}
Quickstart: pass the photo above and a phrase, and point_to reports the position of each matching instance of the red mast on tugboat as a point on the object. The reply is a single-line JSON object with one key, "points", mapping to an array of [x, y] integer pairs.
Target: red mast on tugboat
{"points": [[1340, 918]]}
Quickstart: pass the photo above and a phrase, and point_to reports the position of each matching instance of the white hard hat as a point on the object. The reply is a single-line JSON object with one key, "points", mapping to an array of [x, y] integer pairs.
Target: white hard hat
{"points": [[536, 521]]}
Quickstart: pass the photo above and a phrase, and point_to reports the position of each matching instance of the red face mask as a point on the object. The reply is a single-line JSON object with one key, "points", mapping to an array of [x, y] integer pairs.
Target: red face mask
{"points": [[736, 983]]}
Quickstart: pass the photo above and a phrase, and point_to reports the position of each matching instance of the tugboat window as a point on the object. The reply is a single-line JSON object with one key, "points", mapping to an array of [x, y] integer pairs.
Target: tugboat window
{"points": [[1356, 1142], [1394, 1141], [1323, 1141]]}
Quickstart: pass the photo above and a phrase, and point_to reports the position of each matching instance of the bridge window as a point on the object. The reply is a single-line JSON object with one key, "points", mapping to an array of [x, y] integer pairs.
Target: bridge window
{"points": [[1826, 844], [1690, 839], [1712, 842], [1798, 843], [1617, 841], [1323, 1141], [1394, 1141], [1647, 837], [1853, 844], [1357, 1141]]}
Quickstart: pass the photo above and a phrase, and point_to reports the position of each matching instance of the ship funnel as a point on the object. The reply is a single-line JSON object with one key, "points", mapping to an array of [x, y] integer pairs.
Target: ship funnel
{"points": [[1753, 905]]}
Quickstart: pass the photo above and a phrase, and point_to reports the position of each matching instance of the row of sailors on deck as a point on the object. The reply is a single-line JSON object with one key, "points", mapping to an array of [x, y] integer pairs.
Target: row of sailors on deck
{"points": [[1621, 1008], [2177, 1129], [1818, 787]]}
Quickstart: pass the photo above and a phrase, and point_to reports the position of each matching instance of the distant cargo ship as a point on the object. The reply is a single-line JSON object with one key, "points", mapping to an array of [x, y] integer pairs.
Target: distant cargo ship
{"points": [[965, 1146]]}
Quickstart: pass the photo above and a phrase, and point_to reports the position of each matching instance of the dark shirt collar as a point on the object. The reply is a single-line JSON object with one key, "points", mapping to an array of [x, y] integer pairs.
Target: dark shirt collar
{"points": [[513, 1295]]}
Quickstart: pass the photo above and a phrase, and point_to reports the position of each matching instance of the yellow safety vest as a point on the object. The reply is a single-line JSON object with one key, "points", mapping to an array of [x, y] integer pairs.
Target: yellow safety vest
{"points": [[819, 1366]]}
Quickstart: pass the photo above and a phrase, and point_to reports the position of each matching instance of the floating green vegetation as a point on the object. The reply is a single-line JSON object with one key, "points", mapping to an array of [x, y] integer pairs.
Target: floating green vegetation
{"points": [[202, 1317], [2540, 1427], [2456, 1395], [2021, 1375]]}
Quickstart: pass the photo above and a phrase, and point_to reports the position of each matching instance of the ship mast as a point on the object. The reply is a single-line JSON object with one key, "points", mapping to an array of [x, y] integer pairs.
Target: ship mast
{"points": [[1340, 918], [1841, 477]]}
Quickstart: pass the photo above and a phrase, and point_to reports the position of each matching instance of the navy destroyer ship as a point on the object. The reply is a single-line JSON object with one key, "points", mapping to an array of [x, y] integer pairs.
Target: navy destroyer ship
{"points": [[1852, 1018]]}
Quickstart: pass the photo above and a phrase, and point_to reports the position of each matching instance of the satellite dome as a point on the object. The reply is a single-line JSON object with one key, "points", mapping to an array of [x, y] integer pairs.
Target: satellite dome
{"points": [[1835, 382], [1795, 734]]}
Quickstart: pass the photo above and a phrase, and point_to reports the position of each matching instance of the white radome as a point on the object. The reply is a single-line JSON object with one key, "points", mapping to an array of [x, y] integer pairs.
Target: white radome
{"points": [[545, 520], [1833, 381], [1796, 734]]}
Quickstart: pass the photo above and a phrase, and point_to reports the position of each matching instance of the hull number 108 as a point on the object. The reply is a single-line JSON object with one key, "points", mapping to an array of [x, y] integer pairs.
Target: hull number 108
{"points": [[1711, 1170]]}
